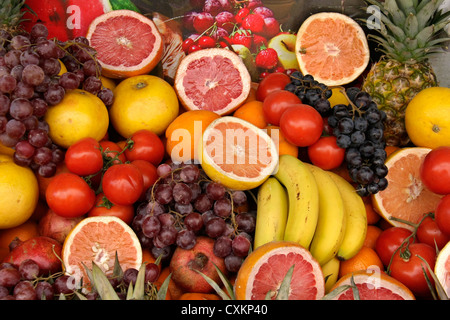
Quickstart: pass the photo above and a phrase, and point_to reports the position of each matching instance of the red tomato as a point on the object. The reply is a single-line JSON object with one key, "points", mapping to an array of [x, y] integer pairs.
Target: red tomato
{"points": [[408, 267], [149, 174], [123, 184], [104, 207], [390, 240], [84, 157], [442, 215], [326, 154], [146, 146], [428, 232], [301, 125], [68, 195], [271, 82], [113, 151], [435, 170], [276, 103]]}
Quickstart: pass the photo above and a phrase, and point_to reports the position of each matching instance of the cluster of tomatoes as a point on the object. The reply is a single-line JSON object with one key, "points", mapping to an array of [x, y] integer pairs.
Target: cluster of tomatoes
{"points": [[299, 123], [402, 250], [106, 178]]}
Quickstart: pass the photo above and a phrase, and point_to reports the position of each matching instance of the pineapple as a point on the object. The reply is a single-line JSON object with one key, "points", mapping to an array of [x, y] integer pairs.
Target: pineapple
{"points": [[11, 15], [408, 35]]}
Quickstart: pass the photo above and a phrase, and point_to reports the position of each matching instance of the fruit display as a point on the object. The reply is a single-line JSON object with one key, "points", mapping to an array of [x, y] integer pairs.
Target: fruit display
{"points": [[202, 150]]}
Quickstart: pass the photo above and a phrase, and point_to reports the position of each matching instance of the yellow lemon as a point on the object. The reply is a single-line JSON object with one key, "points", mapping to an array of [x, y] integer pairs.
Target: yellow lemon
{"points": [[80, 114], [143, 102], [427, 118], [19, 193], [63, 68], [108, 83]]}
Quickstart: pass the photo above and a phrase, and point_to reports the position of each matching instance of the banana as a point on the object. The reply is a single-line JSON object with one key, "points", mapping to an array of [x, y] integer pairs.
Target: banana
{"points": [[331, 273], [332, 218], [271, 212], [303, 196], [356, 229]]}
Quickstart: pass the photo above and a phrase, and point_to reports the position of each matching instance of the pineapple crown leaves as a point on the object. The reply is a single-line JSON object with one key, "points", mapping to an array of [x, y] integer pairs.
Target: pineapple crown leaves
{"points": [[408, 28], [11, 13]]}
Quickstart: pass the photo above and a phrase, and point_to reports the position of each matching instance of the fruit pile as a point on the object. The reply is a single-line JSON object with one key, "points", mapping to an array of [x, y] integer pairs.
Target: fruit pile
{"points": [[215, 156]]}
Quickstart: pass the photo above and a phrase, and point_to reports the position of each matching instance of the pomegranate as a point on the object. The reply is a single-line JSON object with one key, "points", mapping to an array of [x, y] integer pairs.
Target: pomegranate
{"points": [[45, 251], [55, 226], [185, 264]]}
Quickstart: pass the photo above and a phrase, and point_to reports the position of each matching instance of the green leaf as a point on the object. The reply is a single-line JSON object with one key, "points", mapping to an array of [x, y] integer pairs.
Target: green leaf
{"points": [[283, 292], [411, 25], [139, 289], [439, 288], [102, 285], [225, 282], [215, 286], [80, 296], [424, 15], [354, 289], [333, 294], [397, 15], [162, 292], [117, 271]]}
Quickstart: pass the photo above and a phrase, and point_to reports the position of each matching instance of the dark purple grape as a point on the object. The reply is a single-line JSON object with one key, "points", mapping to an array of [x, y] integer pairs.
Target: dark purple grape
{"points": [[39, 107], [24, 290], [239, 197], [130, 276], [44, 290], [54, 94], [222, 207], [29, 57], [246, 222], [189, 173], [215, 227], [7, 83], [163, 193], [186, 239], [203, 203], [193, 221], [92, 84], [150, 226], [151, 272], [222, 246], [42, 156], [215, 190], [241, 245], [233, 263], [182, 194], [64, 284], [107, 96], [39, 30], [38, 138], [9, 277], [69, 81]]}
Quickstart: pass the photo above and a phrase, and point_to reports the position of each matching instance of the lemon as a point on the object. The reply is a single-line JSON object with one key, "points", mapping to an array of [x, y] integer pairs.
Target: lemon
{"points": [[143, 102], [427, 118], [79, 115], [337, 96], [19, 193]]}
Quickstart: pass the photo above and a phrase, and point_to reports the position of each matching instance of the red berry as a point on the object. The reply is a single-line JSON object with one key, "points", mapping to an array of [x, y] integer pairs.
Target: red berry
{"points": [[254, 23], [267, 59], [242, 37], [194, 47], [258, 42], [206, 42], [271, 27], [203, 21], [187, 44], [241, 14]]}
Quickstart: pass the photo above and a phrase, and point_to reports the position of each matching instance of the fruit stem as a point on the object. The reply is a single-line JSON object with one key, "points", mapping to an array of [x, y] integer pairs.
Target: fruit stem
{"points": [[354, 107]]}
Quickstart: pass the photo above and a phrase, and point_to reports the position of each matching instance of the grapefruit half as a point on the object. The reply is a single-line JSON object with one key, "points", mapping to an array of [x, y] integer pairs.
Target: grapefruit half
{"points": [[214, 79], [332, 47], [127, 43], [373, 285], [237, 154], [97, 239], [406, 197], [265, 268], [442, 268]]}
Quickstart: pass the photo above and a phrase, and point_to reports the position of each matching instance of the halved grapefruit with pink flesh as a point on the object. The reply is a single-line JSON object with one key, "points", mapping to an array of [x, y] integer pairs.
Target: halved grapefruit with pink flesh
{"points": [[332, 47], [371, 285], [264, 269], [442, 268], [214, 79], [127, 43]]}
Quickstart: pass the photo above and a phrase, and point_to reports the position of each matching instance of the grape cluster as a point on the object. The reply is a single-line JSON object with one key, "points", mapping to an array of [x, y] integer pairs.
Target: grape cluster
{"points": [[310, 92], [184, 204], [30, 64], [359, 127]]}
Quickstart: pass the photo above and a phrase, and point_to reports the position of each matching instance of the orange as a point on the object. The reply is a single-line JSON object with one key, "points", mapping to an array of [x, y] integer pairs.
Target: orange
{"points": [[405, 197], [214, 79], [390, 149], [372, 285], [199, 296], [265, 268], [372, 216], [252, 93], [427, 118], [125, 52], [283, 146], [366, 258], [173, 291], [332, 47], [237, 154], [252, 112], [108, 83], [143, 102], [183, 134], [25, 231], [97, 240], [442, 268], [44, 181], [19, 193], [371, 236], [80, 114]]}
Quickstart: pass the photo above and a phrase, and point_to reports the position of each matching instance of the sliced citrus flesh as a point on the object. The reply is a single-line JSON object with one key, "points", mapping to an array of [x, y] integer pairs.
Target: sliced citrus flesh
{"points": [[372, 285], [332, 48], [442, 268], [97, 240], [264, 269], [212, 79], [127, 43], [237, 154], [405, 197]]}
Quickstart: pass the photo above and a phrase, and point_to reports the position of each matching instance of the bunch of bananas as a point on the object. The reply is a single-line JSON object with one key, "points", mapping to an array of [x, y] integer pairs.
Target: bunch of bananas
{"points": [[316, 208]]}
